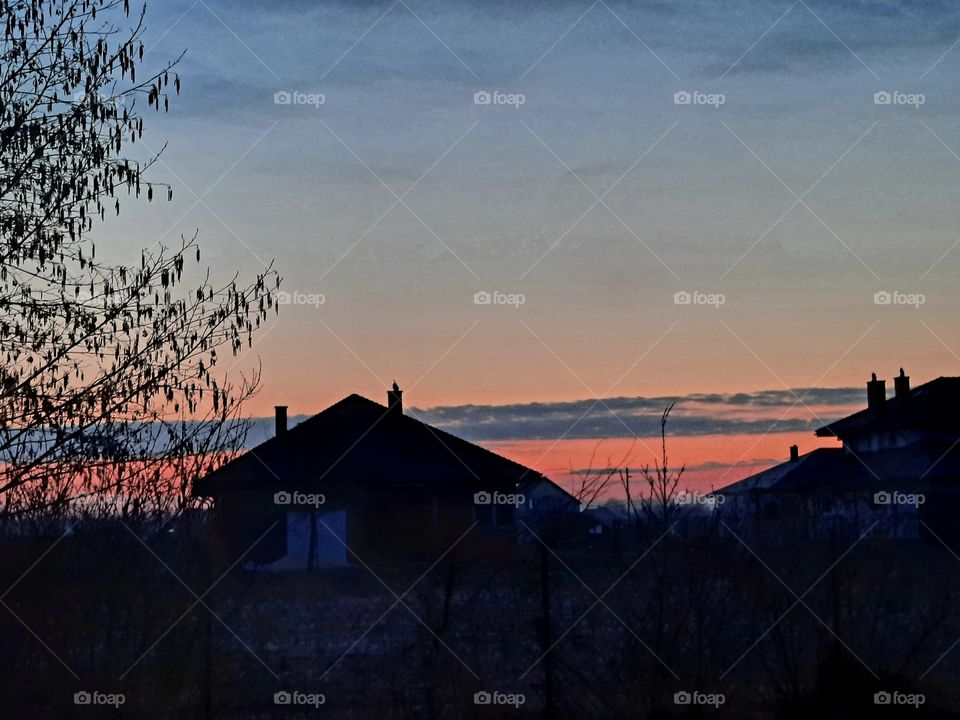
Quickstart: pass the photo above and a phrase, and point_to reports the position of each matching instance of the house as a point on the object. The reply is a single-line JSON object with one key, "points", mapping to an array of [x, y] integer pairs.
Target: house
{"points": [[543, 498], [364, 482], [897, 470]]}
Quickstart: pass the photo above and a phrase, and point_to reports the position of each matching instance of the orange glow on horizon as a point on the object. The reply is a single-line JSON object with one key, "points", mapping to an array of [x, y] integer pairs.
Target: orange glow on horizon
{"points": [[712, 461]]}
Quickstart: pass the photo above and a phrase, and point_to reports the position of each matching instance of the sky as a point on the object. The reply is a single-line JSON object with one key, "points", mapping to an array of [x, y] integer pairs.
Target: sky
{"points": [[791, 169]]}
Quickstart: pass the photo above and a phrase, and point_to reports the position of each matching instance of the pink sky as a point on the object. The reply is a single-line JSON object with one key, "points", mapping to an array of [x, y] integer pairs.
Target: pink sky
{"points": [[713, 460]]}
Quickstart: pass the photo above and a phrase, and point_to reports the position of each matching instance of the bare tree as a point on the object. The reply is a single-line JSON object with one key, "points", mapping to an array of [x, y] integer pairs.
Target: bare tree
{"points": [[662, 482], [592, 483], [649, 499], [110, 390]]}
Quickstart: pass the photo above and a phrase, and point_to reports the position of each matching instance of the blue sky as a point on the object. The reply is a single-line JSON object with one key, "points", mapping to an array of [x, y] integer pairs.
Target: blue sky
{"points": [[596, 200]]}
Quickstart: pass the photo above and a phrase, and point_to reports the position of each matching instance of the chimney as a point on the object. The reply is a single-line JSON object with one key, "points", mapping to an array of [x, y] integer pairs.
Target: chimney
{"points": [[281, 419], [395, 400], [901, 385], [876, 394], [794, 453]]}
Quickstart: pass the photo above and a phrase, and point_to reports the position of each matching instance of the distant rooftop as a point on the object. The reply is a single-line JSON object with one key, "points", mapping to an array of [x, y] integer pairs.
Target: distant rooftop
{"points": [[927, 462], [932, 406], [929, 416]]}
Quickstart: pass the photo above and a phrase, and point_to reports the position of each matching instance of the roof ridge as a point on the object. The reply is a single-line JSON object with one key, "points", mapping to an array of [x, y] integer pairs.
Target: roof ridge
{"points": [[389, 446]]}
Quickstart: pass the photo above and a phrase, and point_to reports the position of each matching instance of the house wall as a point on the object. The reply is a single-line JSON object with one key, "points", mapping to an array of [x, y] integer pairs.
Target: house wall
{"points": [[810, 515], [330, 528], [414, 526], [380, 525], [249, 522]]}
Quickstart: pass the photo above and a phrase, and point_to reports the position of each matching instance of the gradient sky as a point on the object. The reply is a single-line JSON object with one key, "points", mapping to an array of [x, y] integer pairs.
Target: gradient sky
{"points": [[797, 199]]}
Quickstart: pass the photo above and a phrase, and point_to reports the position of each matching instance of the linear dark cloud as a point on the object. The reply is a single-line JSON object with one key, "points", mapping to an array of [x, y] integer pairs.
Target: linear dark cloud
{"points": [[600, 422], [694, 414], [710, 466]]}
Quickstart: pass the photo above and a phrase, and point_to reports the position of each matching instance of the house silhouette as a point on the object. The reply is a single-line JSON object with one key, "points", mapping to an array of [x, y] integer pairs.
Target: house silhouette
{"points": [[363, 482], [898, 469]]}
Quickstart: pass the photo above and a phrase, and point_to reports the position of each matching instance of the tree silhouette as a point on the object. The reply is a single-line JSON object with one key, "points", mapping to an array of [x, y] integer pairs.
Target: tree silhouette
{"points": [[111, 395]]}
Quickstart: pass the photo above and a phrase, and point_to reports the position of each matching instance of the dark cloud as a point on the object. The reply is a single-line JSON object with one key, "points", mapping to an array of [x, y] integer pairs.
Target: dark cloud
{"points": [[694, 414]]}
